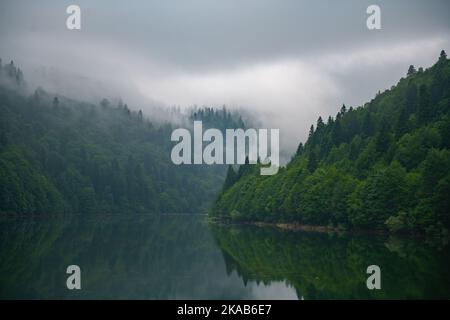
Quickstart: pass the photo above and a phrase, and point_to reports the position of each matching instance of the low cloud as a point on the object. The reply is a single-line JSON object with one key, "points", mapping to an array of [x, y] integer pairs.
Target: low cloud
{"points": [[290, 94], [284, 63]]}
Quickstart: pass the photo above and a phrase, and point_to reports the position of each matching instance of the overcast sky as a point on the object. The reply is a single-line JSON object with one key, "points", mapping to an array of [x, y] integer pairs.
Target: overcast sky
{"points": [[285, 61]]}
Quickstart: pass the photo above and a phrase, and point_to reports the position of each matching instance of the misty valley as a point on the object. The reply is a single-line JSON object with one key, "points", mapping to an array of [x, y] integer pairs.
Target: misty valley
{"points": [[108, 187]]}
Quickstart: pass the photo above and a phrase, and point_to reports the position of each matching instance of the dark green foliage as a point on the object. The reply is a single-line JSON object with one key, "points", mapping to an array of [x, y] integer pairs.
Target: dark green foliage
{"points": [[312, 161], [411, 70], [59, 155], [299, 149], [231, 178], [385, 164]]}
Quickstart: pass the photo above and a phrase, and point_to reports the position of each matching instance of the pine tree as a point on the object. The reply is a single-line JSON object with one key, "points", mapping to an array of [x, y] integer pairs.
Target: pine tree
{"points": [[244, 168], [424, 112], [402, 125], [312, 161], [411, 70], [299, 149], [442, 56], [411, 98], [383, 138], [230, 179], [320, 123], [368, 125]]}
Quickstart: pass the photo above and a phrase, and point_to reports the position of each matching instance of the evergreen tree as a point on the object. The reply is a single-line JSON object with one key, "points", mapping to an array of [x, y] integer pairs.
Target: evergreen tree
{"points": [[320, 124], [354, 171], [383, 138], [411, 98], [402, 125], [60, 155], [230, 178], [443, 56], [368, 125], [424, 111], [299, 149], [411, 70], [312, 161]]}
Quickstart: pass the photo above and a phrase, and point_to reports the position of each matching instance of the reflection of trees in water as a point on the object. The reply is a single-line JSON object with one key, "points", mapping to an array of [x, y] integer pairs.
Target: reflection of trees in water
{"points": [[176, 257], [323, 266], [120, 257]]}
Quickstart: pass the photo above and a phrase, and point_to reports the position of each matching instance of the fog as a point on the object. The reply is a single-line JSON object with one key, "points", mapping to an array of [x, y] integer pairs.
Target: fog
{"points": [[284, 62]]}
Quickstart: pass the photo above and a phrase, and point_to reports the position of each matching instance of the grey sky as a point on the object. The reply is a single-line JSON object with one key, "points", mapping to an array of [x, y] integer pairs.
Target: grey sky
{"points": [[286, 61]]}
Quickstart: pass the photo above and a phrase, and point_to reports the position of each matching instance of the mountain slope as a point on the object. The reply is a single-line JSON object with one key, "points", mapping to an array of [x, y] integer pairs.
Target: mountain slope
{"points": [[60, 155], [385, 164]]}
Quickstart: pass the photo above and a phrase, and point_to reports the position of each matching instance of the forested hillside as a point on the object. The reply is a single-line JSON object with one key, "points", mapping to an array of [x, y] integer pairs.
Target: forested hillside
{"points": [[60, 155], [382, 165]]}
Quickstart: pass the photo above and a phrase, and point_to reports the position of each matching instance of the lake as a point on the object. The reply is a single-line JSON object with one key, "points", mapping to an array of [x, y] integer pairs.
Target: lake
{"points": [[186, 257]]}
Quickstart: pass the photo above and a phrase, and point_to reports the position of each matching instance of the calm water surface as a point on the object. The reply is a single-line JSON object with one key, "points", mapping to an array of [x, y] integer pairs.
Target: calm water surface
{"points": [[180, 256]]}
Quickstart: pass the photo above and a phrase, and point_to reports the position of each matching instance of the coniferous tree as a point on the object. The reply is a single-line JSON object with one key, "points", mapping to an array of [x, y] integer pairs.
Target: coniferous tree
{"points": [[443, 56], [230, 179], [299, 149], [312, 161], [424, 110], [368, 125], [411, 70], [411, 98], [383, 138], [383, 165]]}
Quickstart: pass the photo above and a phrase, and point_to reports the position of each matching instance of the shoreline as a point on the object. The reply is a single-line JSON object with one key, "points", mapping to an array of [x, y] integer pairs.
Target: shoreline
{"points": [[297, 227], [328, 229], [294, 226]]}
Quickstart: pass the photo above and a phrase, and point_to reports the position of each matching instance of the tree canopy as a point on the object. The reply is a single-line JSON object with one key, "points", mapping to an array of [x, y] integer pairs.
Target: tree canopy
{"points": [[385, 164]]}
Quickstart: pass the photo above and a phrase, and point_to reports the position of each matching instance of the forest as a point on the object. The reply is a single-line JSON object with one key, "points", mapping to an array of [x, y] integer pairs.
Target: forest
{"points": [[382, 166], [58, 155]]}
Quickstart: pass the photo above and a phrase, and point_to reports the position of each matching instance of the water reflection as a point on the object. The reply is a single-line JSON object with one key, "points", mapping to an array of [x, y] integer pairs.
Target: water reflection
{"points": [[161, 257], [126, 257], [324, 266]]}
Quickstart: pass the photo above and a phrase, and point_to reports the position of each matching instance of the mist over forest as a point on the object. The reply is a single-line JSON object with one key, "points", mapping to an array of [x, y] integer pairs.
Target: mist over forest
{"points": [[287, 65], [139, 151]]}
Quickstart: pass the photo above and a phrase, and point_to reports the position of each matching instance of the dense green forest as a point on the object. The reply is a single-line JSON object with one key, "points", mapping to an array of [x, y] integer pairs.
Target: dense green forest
{"points": [[59, 155], [382, 165]]}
